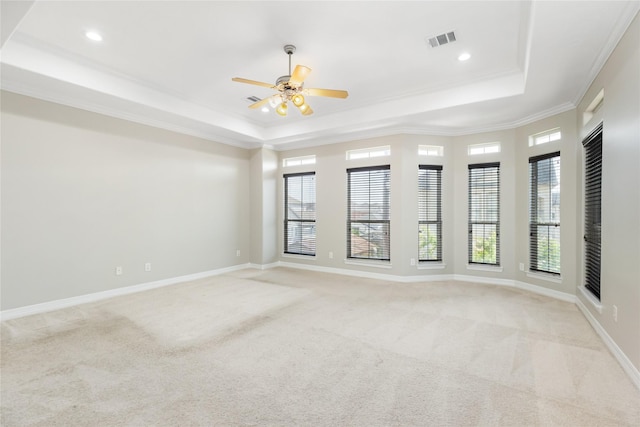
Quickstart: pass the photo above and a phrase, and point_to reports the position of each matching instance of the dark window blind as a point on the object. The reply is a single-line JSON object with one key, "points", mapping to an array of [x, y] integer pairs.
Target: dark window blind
{"points": [[544, 213], [484, 213], [300, 213], [368, 217], [592, 208], [430, 213]]}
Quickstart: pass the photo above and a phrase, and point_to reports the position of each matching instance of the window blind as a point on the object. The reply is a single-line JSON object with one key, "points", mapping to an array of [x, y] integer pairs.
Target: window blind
{"points": [[430, 213], [592, 208], [300, 213], [544, 213], [484, 214], [368, 219]]}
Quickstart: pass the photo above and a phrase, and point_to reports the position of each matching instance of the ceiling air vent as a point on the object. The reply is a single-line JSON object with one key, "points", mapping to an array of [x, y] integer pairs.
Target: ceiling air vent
{"points": [[253, 99], [441, 39]]}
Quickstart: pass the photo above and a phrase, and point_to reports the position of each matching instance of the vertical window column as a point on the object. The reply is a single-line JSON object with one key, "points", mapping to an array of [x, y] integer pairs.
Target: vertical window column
{"points": [[544, 213], [368, 218], [300, 213], [430, 213], [593, 209], [484, 214]]}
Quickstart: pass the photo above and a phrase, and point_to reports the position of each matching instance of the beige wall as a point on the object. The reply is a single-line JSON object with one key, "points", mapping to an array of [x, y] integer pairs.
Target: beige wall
{"points": [[620, 115], [83, 193]]}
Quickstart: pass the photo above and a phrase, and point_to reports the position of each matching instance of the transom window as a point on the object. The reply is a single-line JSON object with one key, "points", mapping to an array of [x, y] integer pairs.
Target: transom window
{"points": [[366, 153], [486, 148], [544, 137]]}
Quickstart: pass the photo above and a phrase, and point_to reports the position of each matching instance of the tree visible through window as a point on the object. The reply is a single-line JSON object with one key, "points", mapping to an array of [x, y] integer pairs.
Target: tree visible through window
{"points": [[544, 213], [300, 213], [430, 213], [484, 213], [368, 212]]}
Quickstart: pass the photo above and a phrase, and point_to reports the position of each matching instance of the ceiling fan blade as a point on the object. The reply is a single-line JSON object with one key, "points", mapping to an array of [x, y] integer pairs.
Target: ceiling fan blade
{"points": [[333, 93], [263, 101], [252, 82], [299, 74]]}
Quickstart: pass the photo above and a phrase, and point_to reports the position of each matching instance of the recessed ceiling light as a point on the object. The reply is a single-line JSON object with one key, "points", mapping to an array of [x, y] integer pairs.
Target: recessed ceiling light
{"points": [[93, 35], [464, 57], [265, 109]]}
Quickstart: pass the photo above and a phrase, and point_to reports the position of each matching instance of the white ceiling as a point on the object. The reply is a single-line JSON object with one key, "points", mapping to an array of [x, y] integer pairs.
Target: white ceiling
{"points": [[170, 63]]}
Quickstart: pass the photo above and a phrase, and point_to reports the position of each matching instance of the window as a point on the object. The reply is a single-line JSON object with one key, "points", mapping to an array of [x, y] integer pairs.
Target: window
{"points": [[544, 213], [366, 153], [431, 150], [299, 161], [490, 147], [429, 213], [544, 137], [484, 213], [368, 212], [300, 213], [592, 209]]}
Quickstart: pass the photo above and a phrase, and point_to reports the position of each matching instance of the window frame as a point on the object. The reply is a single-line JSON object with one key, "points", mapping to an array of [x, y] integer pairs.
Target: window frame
{"points": [[473, 204], [534, 222], [301, 221], [427, 207], [385, 223]]}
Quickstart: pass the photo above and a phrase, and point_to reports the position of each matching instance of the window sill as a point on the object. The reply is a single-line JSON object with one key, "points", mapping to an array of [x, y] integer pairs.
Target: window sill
{"points": [[480, 267], [426, 265], [544, 276], [368, 263], [297, 256], [591, 298]]}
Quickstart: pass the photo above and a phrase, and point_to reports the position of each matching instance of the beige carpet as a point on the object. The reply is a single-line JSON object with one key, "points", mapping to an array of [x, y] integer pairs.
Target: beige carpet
{"points": [[293, 348]]}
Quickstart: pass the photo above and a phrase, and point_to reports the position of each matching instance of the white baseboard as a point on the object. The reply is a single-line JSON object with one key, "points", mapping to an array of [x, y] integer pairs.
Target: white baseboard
{"points": [[622, 358], [367, 274], [552, 293], [98, 296]]}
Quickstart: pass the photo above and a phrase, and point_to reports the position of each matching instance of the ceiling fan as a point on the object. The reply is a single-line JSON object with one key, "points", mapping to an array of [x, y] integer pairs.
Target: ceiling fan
{"points": [[291, 88]]}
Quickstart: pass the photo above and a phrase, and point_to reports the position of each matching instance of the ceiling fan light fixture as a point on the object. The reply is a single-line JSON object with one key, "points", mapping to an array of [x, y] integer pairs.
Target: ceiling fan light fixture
{"points": [[305, 109], [297, 99], [282, 109]]}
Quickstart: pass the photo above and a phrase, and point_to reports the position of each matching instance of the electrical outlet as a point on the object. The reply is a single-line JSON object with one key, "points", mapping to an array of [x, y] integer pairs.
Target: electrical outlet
{"points": [[412, 261], [147, 266], [615, 313], [522, 266], [237, 252], [118, 271], [330, 255]]}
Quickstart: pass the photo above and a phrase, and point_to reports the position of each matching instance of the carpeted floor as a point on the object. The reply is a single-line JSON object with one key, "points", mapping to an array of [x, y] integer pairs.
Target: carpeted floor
{"points": [[284, 347]]}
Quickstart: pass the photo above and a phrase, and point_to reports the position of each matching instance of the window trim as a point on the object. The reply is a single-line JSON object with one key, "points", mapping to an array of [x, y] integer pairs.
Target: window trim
{"points": [[438, 207], [286, 216], [387, 221], [533, 209], [472, 223]]}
